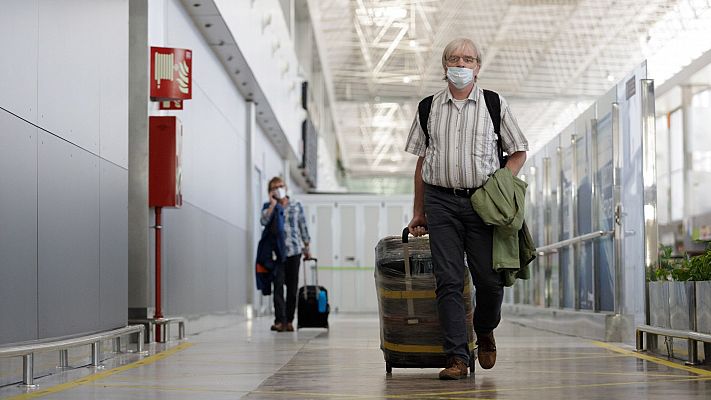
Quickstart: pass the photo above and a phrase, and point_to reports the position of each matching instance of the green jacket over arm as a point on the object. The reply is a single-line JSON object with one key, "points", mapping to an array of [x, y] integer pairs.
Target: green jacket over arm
{"points": [[501, 202]]}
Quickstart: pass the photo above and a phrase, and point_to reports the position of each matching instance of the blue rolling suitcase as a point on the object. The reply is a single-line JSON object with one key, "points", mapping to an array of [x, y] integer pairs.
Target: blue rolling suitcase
{"points": [[312, 305]]}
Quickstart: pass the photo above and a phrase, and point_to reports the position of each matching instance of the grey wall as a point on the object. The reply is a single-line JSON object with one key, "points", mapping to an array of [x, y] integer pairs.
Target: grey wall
{"points": [[63, 167], [204, 263]]}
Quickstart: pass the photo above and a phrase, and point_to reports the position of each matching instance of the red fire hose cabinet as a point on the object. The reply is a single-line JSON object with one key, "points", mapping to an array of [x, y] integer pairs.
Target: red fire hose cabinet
{"points": [[164, 177]]}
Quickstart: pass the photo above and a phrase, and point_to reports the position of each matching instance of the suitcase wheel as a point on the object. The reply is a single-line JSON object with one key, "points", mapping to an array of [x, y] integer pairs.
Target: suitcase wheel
{"points": [[388, 368]]}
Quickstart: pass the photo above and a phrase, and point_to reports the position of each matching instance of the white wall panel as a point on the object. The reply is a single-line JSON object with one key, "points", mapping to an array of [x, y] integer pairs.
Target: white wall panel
{"points": [[267, 157], [214, 178], [18, 63], [209, 74], [213, 171], [258, 28], [70, 70], [113, 81], [344, 231]]}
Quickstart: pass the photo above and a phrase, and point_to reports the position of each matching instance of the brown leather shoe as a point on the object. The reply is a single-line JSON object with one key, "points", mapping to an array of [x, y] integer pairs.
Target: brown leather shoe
{"points": [[456, 369], [290, 327], [279, 327], [486, 350]]}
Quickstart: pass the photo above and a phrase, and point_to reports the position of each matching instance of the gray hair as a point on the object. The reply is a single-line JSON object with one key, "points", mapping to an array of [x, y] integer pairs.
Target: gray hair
{"points": [[458, 44]]}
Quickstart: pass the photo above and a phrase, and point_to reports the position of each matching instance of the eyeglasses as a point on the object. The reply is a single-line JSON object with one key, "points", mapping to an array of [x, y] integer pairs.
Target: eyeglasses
{"points": [[467, 59]]}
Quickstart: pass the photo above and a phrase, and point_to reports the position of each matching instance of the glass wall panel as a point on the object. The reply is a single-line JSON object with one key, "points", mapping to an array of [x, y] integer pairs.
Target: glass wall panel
{"points": [[605, 212], [699, 133], [567, 275], [584, 257], [676, 164], [663, 177], [553, 217]]}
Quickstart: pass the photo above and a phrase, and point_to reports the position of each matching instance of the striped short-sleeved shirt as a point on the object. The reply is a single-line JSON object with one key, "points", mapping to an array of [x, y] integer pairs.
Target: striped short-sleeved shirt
{"points": [[462, 152]]}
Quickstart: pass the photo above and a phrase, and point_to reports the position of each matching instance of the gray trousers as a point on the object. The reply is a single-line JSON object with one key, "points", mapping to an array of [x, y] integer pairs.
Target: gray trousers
{"points": [[455, 229]]}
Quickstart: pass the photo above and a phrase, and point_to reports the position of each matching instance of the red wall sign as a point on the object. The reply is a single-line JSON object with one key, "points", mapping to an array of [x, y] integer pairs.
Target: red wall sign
{"points": [[171, 74], [170, 105]]}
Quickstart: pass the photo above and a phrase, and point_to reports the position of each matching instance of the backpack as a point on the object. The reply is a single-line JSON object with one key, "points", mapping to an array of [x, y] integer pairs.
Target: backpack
{"points": [[493, 105]]}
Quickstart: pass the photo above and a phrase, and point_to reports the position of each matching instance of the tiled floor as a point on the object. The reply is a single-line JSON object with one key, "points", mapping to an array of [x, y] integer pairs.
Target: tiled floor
{"points": [[247, 360]]}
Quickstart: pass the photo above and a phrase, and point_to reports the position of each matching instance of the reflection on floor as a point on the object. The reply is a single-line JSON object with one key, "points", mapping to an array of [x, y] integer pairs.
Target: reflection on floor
{"points": [[247, 360]]}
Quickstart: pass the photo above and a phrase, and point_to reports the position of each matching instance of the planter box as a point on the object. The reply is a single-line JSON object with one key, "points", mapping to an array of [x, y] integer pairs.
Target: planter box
{"points": [[669, 308], [659, 304], [680, 296], [703, 307]]}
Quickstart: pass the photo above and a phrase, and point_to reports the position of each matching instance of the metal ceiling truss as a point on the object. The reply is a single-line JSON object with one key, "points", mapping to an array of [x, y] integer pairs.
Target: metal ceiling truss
{"points": [[549, 58]]}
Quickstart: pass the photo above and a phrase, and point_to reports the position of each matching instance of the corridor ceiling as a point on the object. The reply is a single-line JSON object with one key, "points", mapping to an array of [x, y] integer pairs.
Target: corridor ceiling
{"points": [[549, 58]]}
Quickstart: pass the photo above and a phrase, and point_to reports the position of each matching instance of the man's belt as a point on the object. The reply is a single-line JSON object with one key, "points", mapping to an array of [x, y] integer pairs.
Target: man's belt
{"points": [[459, 192]]}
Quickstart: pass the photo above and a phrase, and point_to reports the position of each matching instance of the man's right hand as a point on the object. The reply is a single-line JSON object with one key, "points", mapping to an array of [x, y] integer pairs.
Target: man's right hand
{"points": [[417, 225], [272, 199]]}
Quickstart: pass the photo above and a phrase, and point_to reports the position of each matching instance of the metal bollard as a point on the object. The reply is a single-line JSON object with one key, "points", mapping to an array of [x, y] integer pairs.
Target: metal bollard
{"points": [[640, 340], [28, 378], [181, 330], [63, 358], [117, 344], [139, 344], [96, 355], [693, 352], [151, 333]]}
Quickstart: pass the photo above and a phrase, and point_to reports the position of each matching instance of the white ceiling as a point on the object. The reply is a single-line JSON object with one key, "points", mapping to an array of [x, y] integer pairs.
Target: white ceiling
{"points": [[549, 58]]}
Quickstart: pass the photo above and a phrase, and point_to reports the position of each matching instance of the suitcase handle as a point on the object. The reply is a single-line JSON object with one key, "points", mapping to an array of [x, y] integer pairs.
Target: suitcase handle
{"points": [[406, 233], [315, 260]]}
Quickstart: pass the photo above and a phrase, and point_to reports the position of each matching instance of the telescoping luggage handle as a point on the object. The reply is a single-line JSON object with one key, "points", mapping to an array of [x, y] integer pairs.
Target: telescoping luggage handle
{"points": [[315, 275], [408, 272]]}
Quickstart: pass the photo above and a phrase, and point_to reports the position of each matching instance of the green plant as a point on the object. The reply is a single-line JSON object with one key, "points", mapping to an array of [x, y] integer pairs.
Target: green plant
{"points": [[700, 267], [667, 264]]}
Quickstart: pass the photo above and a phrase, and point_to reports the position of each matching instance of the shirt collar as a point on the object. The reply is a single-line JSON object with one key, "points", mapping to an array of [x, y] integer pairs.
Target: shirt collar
{"points": [[472, 95]]}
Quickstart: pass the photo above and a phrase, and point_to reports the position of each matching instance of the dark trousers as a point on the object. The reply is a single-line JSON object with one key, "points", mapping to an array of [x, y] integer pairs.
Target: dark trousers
{"points": [[455, 229], [286, 274]]}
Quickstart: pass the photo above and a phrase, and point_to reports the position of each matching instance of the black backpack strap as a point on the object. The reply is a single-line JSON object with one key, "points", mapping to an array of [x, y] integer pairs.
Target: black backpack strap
{"points": [[423, 110], [493, 104]]}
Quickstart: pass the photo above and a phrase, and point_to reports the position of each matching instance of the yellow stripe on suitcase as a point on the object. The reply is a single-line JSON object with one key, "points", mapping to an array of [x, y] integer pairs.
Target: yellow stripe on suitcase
{"points": [[407, 294], [417, 348], [411, 294]]}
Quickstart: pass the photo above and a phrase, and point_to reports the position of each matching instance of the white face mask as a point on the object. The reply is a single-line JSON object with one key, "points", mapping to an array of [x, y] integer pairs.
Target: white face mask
{"points": [[460, 77], [281, 193]]}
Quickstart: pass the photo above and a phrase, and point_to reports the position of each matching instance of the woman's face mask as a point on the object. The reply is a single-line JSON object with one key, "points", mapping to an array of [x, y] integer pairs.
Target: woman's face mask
{"points": [[281, 192]]}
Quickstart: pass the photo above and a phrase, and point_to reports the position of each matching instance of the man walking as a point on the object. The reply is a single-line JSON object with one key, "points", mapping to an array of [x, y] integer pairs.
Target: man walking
{"points": [[457, 152]]}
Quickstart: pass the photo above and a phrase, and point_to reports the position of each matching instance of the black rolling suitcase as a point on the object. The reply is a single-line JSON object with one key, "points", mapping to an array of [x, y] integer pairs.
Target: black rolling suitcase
{"points": [[410, 334], [313, 307]]}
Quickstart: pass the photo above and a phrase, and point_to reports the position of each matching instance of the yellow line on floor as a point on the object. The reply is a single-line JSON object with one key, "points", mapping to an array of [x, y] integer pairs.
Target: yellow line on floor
{"points": [[173, 389], [100, 375], [529, 388], [538, 360], [657, 360], [557, 372]]}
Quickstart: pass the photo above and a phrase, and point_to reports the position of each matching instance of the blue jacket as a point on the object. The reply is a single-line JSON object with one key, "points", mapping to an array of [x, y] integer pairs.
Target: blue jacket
{"points": [[271, 249]]}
